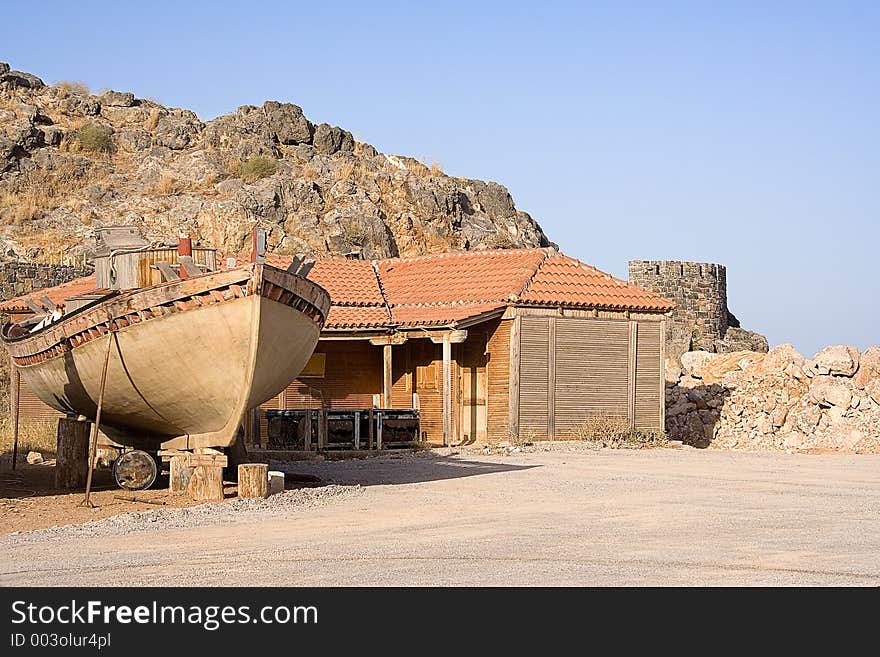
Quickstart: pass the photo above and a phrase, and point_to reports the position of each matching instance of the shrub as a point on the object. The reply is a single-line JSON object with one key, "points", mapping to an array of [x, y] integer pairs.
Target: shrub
{"points": [[609, 430], [257, 167], [95, 138], [73, 88]]}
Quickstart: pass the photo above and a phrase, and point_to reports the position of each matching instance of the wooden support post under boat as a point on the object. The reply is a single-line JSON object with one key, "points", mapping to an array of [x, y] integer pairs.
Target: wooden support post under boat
{"points": [[206, 483], [111, 336], [15, 390], [386, 376], [72, 454], [180, 472], [253, 480]]}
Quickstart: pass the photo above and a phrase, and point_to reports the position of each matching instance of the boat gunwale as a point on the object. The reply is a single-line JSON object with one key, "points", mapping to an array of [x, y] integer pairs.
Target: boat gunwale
{"points": [[250, 277]]}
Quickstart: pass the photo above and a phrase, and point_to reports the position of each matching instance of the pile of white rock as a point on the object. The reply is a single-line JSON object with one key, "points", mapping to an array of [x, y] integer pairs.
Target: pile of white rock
{"points": [[777, 400]]}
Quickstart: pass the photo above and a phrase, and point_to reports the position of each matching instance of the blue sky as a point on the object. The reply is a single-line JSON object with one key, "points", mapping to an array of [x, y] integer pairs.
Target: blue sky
{"points": [[741, 133]]}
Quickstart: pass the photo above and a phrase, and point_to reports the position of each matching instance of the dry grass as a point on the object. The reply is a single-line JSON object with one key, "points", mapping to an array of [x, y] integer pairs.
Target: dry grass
{"points": [[28, 195], [33, 436], [310, 173], [153, 119], [68, 88], [166, 186], [610, 430], [346, 171]]}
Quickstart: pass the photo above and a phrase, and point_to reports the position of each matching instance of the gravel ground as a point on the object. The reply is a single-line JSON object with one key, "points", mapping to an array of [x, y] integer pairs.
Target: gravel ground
{"points": [[563, 516], [162, 519]]}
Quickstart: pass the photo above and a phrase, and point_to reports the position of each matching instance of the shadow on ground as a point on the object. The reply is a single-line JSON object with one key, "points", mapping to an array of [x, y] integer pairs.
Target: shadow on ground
{"points": [[389, 470]]}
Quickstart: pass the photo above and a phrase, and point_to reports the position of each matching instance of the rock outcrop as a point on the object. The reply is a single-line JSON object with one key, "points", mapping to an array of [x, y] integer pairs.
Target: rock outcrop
{"points": [[70, 160], [777, 400]]}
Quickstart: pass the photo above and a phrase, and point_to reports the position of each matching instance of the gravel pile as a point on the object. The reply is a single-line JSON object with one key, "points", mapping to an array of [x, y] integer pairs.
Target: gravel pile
{"points": [[201, 515]]}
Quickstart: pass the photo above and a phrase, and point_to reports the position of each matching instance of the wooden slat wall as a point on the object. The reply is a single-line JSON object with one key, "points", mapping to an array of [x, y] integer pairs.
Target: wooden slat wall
{"points": [[534, 372], [31, 407], [498, 373], [591, 370], [648, 377], [353, 375]]}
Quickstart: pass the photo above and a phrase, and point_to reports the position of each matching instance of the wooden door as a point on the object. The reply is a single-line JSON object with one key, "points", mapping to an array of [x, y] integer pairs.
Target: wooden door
{"points": [[473, 390]]}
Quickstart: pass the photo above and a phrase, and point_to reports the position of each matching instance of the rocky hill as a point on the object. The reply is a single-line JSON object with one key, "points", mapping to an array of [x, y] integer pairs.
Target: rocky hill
{"points": [[71, 160]]}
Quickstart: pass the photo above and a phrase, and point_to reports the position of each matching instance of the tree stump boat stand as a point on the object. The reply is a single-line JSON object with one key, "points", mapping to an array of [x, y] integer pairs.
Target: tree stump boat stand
{"points": [[72, 454], [253, 480], [182, 464], [206, 483]]}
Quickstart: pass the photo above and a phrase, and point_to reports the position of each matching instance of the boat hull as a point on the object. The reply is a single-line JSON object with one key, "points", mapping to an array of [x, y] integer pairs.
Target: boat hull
{"points": [[187, 378]]}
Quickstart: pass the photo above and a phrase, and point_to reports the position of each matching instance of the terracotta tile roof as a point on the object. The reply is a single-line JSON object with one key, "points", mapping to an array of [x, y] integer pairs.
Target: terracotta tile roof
{"points": [[57, 294], [463, 276], [441, 315], [348, 317], [562, 280]]}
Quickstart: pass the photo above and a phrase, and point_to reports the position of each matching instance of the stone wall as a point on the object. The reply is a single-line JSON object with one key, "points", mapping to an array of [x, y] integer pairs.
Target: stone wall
{"points": [[702, 320], [17, 278]]}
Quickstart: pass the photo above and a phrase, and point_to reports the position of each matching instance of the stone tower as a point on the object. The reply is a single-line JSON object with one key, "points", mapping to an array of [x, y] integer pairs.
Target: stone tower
{"points": [[701, 319]]}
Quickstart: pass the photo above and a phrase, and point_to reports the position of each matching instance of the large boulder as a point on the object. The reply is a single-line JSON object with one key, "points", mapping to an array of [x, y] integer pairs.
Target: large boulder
{"points": [[869, 367], [693, 362], [117, 99], [19, 79], [288, 123], [831, 391], [332, 139], [177, 132], [840, 360], [780, 358]]}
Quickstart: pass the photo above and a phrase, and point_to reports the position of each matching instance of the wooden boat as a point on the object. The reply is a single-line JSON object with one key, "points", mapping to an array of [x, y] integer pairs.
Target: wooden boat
{"points": [[189, 357]]}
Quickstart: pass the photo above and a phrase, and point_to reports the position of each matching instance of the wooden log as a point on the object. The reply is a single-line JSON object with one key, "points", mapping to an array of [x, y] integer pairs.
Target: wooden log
{"points": [[72, 455], [253, 480], [206, 484], [180, 473]]}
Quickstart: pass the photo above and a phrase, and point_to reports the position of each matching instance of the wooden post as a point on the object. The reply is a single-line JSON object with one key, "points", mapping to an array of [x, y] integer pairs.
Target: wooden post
{"points": [[206, 483], [72, 454], [631, 374], [663, 375], [111, 336], [386, 376], [307, 430], [253, 480], [379, 430], [180, 472], [15, 396], [357, 429], [447, 391], [551, 379], [322, 429], [513, 378], [370, 429]]}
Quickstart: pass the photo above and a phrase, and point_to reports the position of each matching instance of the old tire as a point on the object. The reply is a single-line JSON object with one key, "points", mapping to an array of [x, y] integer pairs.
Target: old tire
{"points": [[135, 470]]}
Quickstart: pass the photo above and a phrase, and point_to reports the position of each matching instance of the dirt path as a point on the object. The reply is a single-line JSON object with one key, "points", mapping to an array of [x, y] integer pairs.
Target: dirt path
{"points": [[583, 517]]}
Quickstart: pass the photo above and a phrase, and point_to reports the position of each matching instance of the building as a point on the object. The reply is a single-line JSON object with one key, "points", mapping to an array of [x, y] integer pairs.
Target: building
{"points": [[487, 345]]}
